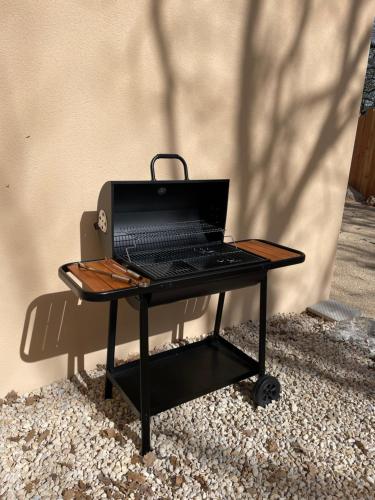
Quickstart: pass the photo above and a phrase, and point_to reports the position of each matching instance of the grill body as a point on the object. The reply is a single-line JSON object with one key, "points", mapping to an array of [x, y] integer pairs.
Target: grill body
{"points": [[168, 230], [172, 230], [148, 216]]}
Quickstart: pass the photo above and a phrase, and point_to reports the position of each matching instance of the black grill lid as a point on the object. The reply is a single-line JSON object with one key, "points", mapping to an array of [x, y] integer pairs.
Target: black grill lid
{"points": [[151, 215]]}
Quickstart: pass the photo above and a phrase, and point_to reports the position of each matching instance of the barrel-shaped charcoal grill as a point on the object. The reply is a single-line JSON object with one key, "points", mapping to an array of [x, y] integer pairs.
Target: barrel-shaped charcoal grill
{"points": [[172, 234]]}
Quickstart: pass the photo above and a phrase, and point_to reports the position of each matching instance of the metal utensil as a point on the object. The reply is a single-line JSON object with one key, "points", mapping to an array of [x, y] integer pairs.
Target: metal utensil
{"points": [[105, 273], [131, 273]]}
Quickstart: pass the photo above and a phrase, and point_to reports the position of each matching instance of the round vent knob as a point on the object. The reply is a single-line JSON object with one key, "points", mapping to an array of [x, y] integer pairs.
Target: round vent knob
{"points": [[102, 221]]}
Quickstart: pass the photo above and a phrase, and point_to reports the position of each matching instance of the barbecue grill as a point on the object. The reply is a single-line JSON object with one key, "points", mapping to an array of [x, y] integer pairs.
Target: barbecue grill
{"points": [[168, 241]]}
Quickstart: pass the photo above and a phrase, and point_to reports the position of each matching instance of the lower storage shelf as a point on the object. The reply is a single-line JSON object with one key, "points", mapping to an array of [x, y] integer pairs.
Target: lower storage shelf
{"points": [[185, 373]]}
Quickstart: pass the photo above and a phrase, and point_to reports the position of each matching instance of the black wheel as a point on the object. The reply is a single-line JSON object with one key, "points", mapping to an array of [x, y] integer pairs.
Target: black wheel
{"points": [[266, 390]]}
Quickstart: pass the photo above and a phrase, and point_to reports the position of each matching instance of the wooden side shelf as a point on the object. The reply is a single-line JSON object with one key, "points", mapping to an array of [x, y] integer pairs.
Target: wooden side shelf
{"points": [[269, 251], [95, 282], [95, 287]]}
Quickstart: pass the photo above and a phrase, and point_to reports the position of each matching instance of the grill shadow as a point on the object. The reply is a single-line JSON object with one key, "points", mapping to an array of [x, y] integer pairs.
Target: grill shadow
{"points": [[244, 390], [115, 409], [57, 324]]}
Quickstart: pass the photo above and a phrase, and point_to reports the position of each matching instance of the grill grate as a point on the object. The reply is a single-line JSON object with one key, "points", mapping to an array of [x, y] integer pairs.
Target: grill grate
{"points": [[169, 263], [130, 239], [175, 249], [168, 269], [184, 253]]}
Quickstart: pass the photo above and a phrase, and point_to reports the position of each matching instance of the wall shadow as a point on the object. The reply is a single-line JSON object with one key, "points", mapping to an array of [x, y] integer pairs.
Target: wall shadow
{"points": [[58, 324], [257, 164], [169, 81], [272, 160], [89, 237]]}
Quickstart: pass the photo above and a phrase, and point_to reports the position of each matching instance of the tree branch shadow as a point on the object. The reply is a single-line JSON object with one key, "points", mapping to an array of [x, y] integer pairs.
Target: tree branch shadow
{"points": [[259, 166]]}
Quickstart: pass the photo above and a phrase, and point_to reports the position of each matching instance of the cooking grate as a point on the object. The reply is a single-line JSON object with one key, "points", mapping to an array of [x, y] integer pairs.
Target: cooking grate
{"points": [[152, 238], [168, 263], [173, 249], [184, 253]]}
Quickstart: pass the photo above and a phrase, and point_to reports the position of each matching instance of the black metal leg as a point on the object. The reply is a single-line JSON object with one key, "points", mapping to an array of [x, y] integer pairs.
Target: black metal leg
{"points": [[144, 375], [262, 326], [219, 313], [111, 346]]}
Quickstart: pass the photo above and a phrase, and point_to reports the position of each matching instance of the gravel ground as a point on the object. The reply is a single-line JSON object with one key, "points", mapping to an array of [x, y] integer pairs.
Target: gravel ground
{"points": [[359, 331], [354, 275], [65, 441]]}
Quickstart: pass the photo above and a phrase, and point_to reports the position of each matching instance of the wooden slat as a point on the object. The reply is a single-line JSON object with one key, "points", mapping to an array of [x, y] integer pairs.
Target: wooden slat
{"points": [[111, 283], [96, 282], [91, 281], [362, 171], [266, 250], [357, 148]]}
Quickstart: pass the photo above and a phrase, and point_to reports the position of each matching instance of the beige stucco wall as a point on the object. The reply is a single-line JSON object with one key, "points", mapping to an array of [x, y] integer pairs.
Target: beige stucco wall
{"points": [[90, 90]]}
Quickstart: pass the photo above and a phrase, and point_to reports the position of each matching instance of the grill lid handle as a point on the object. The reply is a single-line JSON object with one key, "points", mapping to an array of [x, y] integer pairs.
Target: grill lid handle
{"points": [[168, 156]]}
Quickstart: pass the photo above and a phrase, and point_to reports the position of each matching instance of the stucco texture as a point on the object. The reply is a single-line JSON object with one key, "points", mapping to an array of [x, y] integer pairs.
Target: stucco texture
{"points": [[91, 90]]}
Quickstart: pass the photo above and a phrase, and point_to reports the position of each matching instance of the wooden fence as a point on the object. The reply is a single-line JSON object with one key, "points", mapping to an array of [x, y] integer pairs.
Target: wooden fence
{"points": [[362, 170]]}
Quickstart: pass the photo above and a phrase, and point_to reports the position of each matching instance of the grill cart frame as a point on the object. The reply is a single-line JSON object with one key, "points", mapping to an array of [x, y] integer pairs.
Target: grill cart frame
{"points": [[155, 383]]}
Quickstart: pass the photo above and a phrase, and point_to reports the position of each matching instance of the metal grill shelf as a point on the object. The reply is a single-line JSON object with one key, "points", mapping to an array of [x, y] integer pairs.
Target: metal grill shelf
{"points": [[184, 228], [170, 262], [185, 253], [175, 230], [159, 236], [185, 373]]}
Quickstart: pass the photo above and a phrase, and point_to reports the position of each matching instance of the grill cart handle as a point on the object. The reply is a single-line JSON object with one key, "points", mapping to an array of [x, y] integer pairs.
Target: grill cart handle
{"points": [[168, 156]]}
